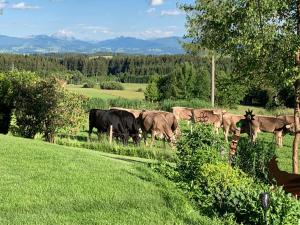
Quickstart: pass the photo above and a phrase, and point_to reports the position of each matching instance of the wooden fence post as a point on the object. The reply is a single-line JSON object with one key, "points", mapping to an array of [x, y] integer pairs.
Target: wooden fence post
{"points": [[110, 134]]}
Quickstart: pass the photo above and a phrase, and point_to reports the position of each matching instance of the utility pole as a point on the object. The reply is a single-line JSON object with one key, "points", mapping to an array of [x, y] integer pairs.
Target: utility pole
{"points": [[213, 81], [297, 101]]}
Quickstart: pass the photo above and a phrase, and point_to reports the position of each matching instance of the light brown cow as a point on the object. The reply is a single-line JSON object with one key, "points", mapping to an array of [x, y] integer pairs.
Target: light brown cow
{"points": [[229, 123], [209, 116], [290, 121], [156, 124], [135, 112], [269, 124], [182, 113], [172, 121]]}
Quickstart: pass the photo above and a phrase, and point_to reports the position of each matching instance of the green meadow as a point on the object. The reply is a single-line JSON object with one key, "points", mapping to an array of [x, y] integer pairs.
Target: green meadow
{"points": [[44, 183], [130, 91]]}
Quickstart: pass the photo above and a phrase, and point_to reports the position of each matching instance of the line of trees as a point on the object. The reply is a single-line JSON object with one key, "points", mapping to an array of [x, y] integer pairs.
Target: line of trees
{"points": [[127, 68]]}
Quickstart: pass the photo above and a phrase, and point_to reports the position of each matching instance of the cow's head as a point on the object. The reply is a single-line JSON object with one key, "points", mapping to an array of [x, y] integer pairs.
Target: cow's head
{"points": [[289, 128]]}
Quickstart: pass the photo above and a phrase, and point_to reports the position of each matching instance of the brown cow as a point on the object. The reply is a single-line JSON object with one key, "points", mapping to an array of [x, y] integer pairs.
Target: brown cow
{"points": [[172, 121], [155, 122], [182, 113], [210, 116], [229, 123], [289, 181], [269, 124], [290, 120], [135, 112]]}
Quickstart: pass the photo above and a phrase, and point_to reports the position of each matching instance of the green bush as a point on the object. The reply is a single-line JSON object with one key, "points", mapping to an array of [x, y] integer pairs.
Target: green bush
{"points": [[88, 85], [111, 85], [253, 158], [220, 190], [45, 107], [196, 148]]}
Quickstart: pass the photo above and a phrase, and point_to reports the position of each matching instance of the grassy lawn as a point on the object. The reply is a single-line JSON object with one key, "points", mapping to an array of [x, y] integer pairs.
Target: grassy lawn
{"points": [[89, 92], [240, 110], [50, 184], [284, 154], [130, 91]]}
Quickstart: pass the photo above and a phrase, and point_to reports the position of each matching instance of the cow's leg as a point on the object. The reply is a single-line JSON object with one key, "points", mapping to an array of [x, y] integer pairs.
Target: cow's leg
{"points": [[278, 137], [254, 135], [99, 135], [216, 130], [145, 138], [153, 133], [90, 132]]}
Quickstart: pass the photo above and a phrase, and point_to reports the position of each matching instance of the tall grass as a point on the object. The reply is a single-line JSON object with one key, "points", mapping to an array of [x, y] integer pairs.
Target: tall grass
{"points": [[165, 105], [103, 145]]}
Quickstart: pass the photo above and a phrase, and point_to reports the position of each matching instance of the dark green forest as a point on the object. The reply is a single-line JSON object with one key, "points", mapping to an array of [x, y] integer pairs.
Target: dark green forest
{"points": [[126, 68], [172, 76]]}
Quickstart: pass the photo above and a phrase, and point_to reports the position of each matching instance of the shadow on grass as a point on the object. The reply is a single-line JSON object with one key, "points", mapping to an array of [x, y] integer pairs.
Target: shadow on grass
{"points": [[126, 159]]}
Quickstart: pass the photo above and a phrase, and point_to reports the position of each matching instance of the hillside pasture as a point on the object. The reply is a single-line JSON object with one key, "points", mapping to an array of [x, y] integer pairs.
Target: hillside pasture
{"points": [[43, 183]]}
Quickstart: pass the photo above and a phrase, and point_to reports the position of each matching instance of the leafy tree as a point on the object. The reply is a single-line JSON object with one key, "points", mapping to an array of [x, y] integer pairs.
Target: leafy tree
{"points": [[45, 107], [261, 36], [152, 92], [9, 83]]}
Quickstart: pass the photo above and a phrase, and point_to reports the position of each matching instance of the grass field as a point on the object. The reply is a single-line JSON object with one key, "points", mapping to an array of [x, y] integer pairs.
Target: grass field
{"points": [[129, 92], [43, 183]]}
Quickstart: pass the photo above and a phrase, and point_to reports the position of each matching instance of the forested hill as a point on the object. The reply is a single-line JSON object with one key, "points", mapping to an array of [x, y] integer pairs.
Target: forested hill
{"points": [[127, 68]]}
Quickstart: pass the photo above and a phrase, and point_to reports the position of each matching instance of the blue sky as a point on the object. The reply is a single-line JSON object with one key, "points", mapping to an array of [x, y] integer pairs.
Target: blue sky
{"points": [[92, 19]]}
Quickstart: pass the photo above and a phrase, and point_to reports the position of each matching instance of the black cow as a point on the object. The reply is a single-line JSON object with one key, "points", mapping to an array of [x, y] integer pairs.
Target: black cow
{"points": [[123, 122]]}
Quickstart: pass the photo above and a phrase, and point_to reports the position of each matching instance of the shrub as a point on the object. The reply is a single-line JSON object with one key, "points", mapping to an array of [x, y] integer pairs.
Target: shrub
{"points": [[139, 90], [253, 158], [220, 189], [111, 85], [45, 107], [197, 148], [89, 85], [10, 84]]}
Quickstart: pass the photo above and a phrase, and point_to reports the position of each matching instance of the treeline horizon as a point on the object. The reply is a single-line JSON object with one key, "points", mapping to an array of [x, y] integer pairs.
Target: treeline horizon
{"points": [[123, 68]]}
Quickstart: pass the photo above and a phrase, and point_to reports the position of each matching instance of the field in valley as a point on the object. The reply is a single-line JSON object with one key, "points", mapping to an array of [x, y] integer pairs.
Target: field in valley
{"points": [[130, 91]]}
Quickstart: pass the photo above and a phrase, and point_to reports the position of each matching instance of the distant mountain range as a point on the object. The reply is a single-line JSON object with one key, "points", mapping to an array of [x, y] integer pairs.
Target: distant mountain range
{"points": [[54, 44]]}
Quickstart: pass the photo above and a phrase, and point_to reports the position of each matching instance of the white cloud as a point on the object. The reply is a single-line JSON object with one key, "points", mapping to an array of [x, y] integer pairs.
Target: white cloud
{"points": [[64, 34], [156, 2], [23, 6], [172, 12], [96, 29], [3, 5], [151, 10], [149, 33]]}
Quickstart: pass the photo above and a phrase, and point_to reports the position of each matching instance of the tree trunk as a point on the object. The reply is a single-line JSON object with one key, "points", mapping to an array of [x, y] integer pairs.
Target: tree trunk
{"points": [[213, 81], [297, 132], [297, 101]]}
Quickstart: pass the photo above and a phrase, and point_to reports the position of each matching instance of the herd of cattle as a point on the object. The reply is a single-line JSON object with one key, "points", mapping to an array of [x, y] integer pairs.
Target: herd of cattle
{"points": [[136, 124]]}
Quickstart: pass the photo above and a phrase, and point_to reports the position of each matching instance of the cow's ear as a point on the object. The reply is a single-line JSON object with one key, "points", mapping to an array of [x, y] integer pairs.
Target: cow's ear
{"points": [[288, 126]]}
